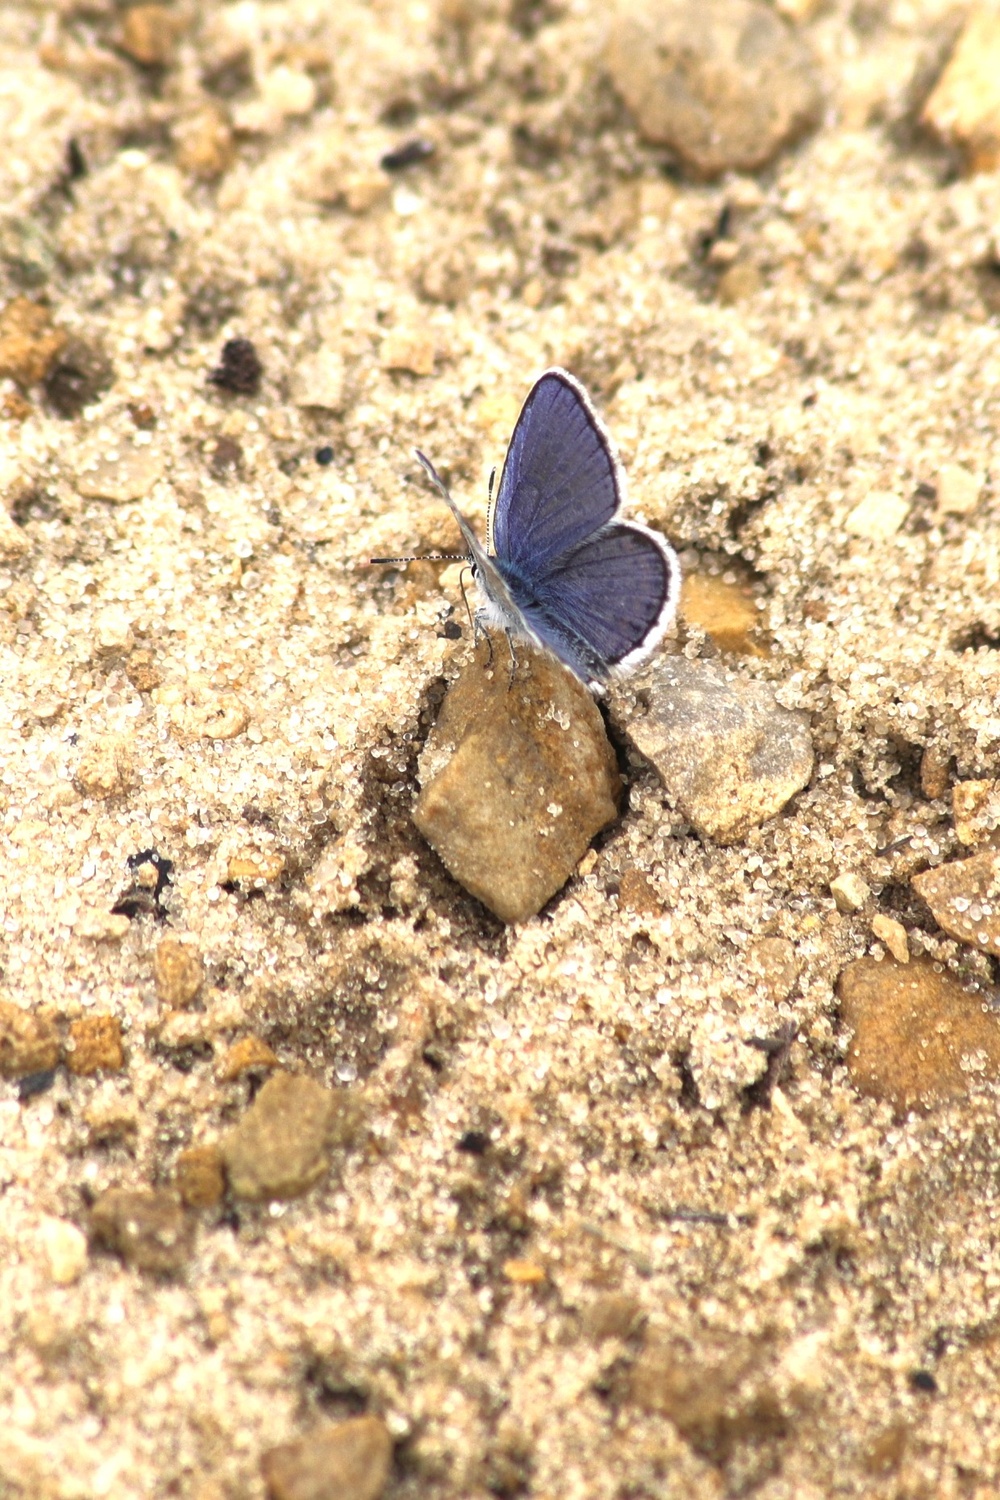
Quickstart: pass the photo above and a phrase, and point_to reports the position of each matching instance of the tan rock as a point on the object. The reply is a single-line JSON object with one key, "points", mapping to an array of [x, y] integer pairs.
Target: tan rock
{"points": [[199, 1176], [340, 1461], [964, 897], [95, 1045], [149, 34], [963, 110], [29, 341], [119, 474], [958, 490], [178, 972], [249, 1053], [29, 1042], [878, 516], [849, 891], [64, 1247], [516, 779], [726, 752], [148, 1228], [725, 83], [106, 770], [918, 1036], [893, 935], [408, 350], [284, 1142]]}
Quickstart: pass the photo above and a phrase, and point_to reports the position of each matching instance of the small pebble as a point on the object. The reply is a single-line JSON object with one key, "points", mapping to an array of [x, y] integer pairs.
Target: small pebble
{"points": [[178, 972], [919, 1036], [199, 1176], [935, 766], [101, 926], [725, 83], [29, 1042], [204, 143], [283, 1144], [516, 779], [120, 475], [726, 752], [975, 808], [964, 897], [319, 381], [239, 369], [409, 351], [106, 770], [963, 110], [149, 34], [29, 341], [958, 490], [256, 868], [244, 1056], [147, 1227], [849, 891], [893, 935], [95, 1045], [223, 718], [347, 1460], [878, 516], [65, 1250]]}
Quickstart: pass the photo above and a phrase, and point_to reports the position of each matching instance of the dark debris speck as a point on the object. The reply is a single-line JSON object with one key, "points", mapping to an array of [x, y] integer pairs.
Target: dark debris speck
{"points": [[239, 369]]}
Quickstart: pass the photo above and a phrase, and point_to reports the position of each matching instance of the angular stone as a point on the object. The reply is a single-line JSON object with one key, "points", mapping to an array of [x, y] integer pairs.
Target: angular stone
{"points": [[95, 1044], [149, 34], [148, 1228], [283, 1144], [725, 83], [106, 769], [340, 1461], [249, 1053], [878, 516], [893, 935], [516, 779], [408, 350], [178, 972], [919, 1036], [726, 752], [958, 490], [117, 475], [849, 891], [964, 897], [963, 110], [319, 380], [29, 1043]]}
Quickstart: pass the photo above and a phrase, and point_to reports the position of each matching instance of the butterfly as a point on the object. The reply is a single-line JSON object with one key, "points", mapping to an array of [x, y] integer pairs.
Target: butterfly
{"points": [[565, 572]]}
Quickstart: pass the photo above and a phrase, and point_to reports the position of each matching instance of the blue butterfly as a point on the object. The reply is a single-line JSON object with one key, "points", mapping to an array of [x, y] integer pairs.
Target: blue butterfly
{"points": [[566, 573]]}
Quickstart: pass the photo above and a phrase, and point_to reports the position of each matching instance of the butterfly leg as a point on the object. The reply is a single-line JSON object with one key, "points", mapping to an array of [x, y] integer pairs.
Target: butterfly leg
{"points": [[513, 658]]}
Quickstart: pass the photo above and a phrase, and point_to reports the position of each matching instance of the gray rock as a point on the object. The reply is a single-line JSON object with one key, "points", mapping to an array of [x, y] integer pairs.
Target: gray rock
{"points": [[516, 779], [726, 752], [340, 1461], [725, 83], [283, 1144]]}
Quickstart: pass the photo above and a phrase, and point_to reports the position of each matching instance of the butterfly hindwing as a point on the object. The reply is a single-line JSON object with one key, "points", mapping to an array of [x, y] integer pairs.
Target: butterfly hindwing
{"points": [[561, 480], [606, 604]]}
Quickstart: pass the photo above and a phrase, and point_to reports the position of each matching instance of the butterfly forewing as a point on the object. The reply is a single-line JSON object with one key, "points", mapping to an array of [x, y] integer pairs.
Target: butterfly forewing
{"points": [[560, 480], [607, 602]]}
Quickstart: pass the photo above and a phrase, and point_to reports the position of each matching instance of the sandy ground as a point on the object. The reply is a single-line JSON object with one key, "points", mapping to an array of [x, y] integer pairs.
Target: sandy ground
{"points": [[505, 1261]]}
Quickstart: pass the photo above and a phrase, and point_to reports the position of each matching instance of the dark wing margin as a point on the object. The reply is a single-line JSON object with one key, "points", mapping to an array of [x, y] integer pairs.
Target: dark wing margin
{"points": [[561, 478], [607, 604]]}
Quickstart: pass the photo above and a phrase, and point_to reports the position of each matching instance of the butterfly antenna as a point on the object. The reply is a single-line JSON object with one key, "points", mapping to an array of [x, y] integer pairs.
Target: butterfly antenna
{"points": [[424, 557], [489, 506]]}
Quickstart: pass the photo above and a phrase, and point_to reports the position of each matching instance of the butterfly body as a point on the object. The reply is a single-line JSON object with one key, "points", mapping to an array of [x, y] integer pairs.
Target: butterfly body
{"points": [[596, 591]]}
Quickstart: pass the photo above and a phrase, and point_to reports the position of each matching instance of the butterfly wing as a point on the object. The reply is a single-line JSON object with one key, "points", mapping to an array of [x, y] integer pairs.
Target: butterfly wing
{"points": [[561, 479], [603, 606]]}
